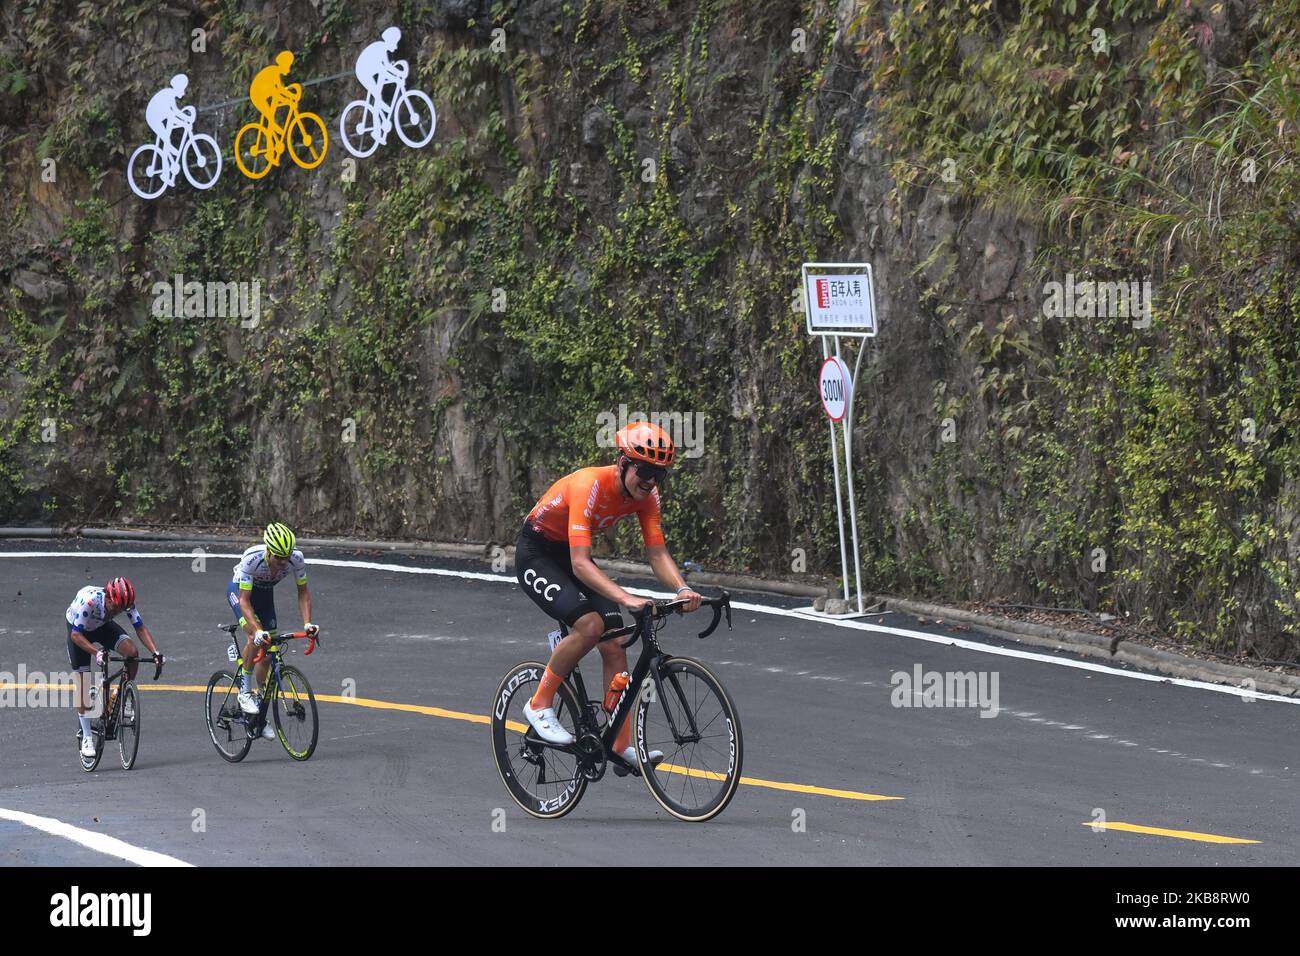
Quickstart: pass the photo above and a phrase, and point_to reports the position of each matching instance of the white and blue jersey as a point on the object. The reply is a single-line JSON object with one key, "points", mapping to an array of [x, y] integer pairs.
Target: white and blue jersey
{"points": [[254, 574], [253, 569], [87, 611]]}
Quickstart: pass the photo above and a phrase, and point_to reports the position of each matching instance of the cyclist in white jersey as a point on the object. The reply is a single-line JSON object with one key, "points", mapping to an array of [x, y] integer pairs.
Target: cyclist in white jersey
{"points": [[92, 632], [253, 602], [375, 70], [164, 114]]}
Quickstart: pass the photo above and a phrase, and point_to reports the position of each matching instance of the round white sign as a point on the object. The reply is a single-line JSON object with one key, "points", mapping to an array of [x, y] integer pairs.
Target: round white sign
{"points": [[835, 388]]}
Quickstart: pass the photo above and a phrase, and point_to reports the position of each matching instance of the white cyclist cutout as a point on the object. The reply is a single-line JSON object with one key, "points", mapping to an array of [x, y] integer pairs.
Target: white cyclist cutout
{"points": [[153, 167], [365, 124]]}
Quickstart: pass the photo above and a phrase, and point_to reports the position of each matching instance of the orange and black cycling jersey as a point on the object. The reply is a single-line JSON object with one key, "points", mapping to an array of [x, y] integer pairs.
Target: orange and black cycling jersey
{"points": [[590, 500]]}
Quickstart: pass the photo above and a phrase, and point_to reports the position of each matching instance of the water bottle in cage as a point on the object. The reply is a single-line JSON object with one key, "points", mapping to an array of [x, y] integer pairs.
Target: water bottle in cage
{"points": [[615, 692]]}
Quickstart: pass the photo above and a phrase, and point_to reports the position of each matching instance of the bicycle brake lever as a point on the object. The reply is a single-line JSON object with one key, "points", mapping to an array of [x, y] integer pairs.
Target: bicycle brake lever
{"points": [[719, 605], [717, 613]]}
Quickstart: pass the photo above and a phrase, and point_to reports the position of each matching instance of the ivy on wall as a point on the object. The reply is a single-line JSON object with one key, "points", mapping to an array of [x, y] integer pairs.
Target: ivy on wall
{"points": [[1143, 139], [383, 317]]}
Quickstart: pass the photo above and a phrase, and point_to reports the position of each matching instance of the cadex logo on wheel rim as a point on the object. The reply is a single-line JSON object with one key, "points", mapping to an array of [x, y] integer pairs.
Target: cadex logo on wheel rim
{"points": [[550, 806], [527, 674]]}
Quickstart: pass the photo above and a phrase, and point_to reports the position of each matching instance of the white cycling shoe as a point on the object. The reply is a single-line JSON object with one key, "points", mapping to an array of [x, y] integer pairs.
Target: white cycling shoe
{"points": [[546, 724], [656, 757], [268, 732], [88, 746], [248, 703]]}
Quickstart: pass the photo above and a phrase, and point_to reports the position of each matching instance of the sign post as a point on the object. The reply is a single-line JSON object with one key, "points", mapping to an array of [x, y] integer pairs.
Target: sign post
{"points": [[839, 300]]}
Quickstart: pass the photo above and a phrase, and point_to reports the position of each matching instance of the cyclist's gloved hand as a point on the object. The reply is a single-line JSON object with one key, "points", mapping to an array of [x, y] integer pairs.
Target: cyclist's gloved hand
{"points": [[311, 629], [260, 638], [99, 658]]}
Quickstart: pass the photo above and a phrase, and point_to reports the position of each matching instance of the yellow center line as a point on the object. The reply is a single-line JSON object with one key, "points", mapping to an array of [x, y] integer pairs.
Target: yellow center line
{"points": [[777, 784], [1160, 831], [510, 724]]}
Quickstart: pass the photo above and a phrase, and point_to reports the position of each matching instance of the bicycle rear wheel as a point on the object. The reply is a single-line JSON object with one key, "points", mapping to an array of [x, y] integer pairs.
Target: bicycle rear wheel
{"points": [[359, 128], [294, 707], [692, 720], [252, 150], [227, 725], [146, 171], [128, 724], [544, 781]]}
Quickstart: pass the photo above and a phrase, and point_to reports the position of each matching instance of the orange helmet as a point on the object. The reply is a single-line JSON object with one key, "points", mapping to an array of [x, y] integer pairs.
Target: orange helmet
{"points": [[642, 441]]}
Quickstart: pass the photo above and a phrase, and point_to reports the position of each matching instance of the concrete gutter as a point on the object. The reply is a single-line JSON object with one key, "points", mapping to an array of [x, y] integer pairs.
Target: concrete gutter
{"points": [[1040, 635], [1109, 649]]}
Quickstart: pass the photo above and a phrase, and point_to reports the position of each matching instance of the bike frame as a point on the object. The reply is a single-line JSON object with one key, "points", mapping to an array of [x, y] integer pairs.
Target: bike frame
{"points": [[276, 654], [384, 110], [651, 657], [119, 678], [275, 139], [170, 153]]}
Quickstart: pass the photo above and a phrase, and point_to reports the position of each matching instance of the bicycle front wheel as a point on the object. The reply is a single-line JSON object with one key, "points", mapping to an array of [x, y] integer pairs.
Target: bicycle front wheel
{"points": [[128, 724], [308, 140], [88, 764], [544, 781], [415, 118], [691, 719], [295, 714], [227, 725], [202, 161]]}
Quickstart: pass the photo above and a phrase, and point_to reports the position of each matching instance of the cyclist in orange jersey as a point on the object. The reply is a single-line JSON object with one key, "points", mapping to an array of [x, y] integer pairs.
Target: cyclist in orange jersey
{"points": [[553, 565]]}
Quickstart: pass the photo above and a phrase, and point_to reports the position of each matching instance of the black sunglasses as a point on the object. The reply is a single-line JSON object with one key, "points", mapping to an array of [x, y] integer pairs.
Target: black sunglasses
{"points": [[655, 473]]}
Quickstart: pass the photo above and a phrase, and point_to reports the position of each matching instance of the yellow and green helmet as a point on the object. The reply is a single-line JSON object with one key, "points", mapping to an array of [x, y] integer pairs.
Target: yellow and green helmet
{"points": [[279, 540]]}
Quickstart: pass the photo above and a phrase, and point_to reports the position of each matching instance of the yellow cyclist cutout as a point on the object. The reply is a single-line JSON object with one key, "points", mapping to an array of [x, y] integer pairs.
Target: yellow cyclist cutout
{"points": [[259, 146]]}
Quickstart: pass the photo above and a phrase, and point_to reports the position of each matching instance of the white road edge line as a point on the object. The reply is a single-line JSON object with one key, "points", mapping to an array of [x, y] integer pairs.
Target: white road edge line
{"points": [[99, 842], [738, 605]]}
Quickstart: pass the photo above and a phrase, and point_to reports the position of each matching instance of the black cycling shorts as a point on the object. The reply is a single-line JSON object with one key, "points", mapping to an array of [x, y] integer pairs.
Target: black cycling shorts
{"points": [[544, 570], [263, 601], [108, 635]]}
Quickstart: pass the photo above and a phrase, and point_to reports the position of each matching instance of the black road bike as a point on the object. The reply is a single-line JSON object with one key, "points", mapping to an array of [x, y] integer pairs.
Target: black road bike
{"points": [[120, 720], [678, 705], [287, 699]]}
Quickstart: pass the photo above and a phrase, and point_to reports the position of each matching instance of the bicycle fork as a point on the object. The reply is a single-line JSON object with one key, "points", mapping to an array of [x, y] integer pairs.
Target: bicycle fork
{"points": [[694, 735]]}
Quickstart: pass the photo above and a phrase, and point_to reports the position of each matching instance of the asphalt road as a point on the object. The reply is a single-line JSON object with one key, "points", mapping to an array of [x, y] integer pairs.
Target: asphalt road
{"points": [[1067, 747]]}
